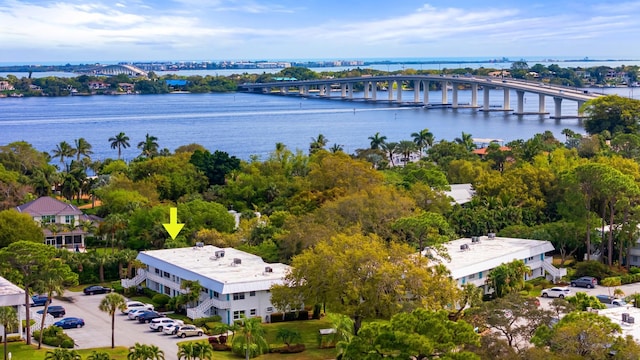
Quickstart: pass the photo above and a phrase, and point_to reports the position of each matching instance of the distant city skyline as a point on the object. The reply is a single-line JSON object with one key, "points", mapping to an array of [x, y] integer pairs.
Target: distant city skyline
{"points": [[142, 30]]}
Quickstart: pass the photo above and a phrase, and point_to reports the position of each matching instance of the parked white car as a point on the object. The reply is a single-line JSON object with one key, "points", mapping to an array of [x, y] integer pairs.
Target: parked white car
{"points": [[556, 292], [160, 323], [171, 329], [136, 305], [134, 313]]}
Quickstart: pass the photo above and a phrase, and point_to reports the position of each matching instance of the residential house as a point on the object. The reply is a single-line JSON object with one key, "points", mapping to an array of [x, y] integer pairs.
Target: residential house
{"points": [[60, 222], [472, 259], [98, 85], [234, 283], [5, 85], [12, 295]]}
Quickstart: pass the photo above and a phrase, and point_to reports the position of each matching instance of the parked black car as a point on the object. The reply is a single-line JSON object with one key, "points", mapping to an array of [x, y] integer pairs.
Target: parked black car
{"points": [[96, 289], [54, 310], [148, 316]]}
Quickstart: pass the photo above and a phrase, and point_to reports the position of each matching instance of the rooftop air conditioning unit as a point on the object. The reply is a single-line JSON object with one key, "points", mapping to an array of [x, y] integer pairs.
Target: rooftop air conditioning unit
{"points": [[237, 261], [491, 235], [464, 247], [475, 239], [268, 269], [199, 244], [219, 254]]}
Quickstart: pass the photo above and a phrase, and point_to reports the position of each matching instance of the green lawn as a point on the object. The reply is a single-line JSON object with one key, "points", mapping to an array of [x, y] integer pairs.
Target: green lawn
{"points": [[308, 331], [19, 350]]}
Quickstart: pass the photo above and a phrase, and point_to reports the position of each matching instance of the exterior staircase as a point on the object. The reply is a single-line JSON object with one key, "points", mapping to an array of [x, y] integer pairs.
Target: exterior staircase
{"points": [[202, 309], [555, 273], [136, 280]]}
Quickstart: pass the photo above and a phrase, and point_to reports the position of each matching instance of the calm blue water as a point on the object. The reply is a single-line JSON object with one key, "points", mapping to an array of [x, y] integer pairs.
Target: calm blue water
{"points": [[250, 124]]}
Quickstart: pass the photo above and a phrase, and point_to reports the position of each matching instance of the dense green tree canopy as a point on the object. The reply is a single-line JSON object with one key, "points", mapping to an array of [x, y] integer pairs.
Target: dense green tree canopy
{"points": [[612, 113]]}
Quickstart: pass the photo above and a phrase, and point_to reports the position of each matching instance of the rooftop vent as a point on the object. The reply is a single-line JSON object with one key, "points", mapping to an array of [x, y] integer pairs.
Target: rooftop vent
{"points": [[268, 269], [199, 244], [491, 235], [219, 254], [237, 261], [464, 247], [475, 239]]}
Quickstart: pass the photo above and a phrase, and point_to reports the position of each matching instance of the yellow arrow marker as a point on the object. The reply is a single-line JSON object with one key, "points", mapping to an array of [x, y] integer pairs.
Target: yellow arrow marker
{"points": [[173, 228]]}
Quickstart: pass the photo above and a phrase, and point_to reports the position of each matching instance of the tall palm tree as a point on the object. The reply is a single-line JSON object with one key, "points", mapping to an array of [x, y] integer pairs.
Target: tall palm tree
{"points": [[466, 140], [63, 151], [203, 350], [377, 140], [119, 141], [110, 304], [9, 321], [192, 291], [149, 146], [53, 282], [406, 148], [83, 148], [336, 148], [318, 143], [422, 139], [187, 351], [62, 354], [145, 352], [253, 341], [391, 149]]}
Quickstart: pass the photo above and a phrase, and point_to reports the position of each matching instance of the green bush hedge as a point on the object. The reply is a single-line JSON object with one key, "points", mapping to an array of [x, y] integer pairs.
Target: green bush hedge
{"points": [[625, 279], [54, 336], [202, 322]]}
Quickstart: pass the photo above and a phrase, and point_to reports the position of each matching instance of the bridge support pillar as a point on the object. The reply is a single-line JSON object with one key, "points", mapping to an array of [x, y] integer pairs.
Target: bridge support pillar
{"points": [[558, 107], [485, 98], [343, 90], [474, 95], [506, 104], [580, 112], [520, 95], [374, 91], [425, 89], [399, 91], [416, 90], [454, 95], [366, 89], [444, 92], [541, 104], [350, 90], [390, 90]]}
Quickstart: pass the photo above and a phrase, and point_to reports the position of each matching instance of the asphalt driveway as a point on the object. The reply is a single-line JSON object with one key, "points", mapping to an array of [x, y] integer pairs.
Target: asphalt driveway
{"points": [[97, 330]]}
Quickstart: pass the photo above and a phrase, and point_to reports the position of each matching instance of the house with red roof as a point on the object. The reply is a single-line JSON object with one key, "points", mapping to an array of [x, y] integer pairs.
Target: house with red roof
{"points": [[63, 225]]}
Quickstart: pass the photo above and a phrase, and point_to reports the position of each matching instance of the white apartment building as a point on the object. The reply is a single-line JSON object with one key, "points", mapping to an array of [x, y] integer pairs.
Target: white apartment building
{"points": [[471, 259], [234, 283]]}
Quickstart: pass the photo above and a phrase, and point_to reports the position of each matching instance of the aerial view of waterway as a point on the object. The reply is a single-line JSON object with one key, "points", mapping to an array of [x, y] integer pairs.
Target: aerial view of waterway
{"points": [[243, 124]]}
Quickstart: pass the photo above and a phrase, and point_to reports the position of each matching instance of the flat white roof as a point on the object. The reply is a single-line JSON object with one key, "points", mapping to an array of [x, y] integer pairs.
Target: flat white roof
{"points": [[461, 193], [489, 253], [219, 274], [615, 314], [10, 294]]}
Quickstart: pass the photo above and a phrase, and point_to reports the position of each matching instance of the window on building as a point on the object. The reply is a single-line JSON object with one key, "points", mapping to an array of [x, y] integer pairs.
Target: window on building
{"points": [[253, 312], [68, 219], [269, 309], [472, 276], [205, 290], [157, 271], [167, 290], [48, 219], [216, 294], [165, 274], [238, 296], [238, 314], [252, 293]]}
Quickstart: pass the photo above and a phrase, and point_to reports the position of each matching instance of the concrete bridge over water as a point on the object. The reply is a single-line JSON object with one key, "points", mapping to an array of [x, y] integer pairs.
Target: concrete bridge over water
{"points": [[370, 86]]}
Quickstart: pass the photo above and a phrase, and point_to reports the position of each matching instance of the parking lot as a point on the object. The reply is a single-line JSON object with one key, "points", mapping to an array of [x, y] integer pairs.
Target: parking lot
{"points": [[97, 330], [628, 289]]}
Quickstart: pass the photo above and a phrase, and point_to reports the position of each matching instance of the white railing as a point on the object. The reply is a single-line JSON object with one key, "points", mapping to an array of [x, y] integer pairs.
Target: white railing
{"points": [[37, 318], [556, 273], [203, 308], [136, 280]]}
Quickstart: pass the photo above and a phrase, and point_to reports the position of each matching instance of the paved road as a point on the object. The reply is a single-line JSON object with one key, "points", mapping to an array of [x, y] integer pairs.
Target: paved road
{"points": [[628, 289], [97, 330]]}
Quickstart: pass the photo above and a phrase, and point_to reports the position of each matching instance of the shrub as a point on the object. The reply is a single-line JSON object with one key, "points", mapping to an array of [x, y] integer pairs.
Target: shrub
{"points": [[148, 293], [54, 336], [290, 316], [303, 315], [634, 270], [277, 317], [160, 300], [317, 309], [203, 321], [593, 268]]}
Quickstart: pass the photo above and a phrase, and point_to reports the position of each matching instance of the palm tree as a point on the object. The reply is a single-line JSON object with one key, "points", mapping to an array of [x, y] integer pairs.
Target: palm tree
{"points": [[62, 354], [391, 149], [377, 141], [63, 151], [318, 143], [149, 146], [253, 341], [186, 351], [203, 350], [422, 139], [53, 282], [344, 327], [406, 148], [114, 225], [145, 352], [9, 321], [336, 148], [192, 290], [119, 141], [99, 355], [83, 148], [466, 140], [110, 304], [101, 259]]}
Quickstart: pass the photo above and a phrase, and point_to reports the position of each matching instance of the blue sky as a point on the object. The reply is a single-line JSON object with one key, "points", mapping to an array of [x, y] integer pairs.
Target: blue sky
{"points": [[136, 30]]}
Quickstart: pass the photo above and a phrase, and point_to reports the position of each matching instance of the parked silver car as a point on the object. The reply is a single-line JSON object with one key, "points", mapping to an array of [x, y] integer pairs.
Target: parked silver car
{"points": [[189, 330]]}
